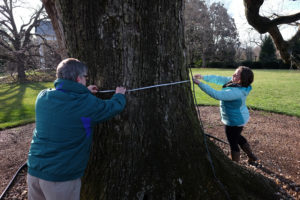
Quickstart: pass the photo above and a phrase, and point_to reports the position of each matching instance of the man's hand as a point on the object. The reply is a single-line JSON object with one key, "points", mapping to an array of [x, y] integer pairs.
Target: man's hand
{"points": [[93, 89], [121, 90]]}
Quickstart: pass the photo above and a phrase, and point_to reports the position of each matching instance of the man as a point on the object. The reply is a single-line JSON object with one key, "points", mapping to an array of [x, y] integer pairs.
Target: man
{"points": [[65, 117]]}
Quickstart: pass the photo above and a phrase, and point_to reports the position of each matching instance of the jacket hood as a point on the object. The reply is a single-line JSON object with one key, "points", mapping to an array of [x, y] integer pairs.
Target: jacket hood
{"points": [[70, 86], [246, 90]]}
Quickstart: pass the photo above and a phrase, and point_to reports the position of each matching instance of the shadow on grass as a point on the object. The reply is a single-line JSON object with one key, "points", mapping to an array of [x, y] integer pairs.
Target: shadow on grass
{"points": [[12, 88], [13, 109]]}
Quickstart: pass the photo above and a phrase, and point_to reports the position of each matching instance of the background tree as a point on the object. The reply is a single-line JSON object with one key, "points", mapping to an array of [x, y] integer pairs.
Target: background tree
{"points": [[155, 149], [211, 33], [2, 51], [249, 53], [295, 54], [268, 51], [244, 53], [270, 25], [16, 46], [225, 36], [198, 31]]}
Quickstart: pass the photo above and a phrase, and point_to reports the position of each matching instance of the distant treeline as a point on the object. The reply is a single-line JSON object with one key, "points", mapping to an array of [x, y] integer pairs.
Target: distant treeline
{"points": [[253, 65]]}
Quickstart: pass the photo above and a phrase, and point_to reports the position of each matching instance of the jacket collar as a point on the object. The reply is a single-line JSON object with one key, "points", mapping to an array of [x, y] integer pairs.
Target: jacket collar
{"points": [[70, 86]]}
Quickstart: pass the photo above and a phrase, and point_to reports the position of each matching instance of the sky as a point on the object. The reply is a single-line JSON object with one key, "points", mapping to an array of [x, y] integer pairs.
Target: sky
{"points": [[236, 10]]}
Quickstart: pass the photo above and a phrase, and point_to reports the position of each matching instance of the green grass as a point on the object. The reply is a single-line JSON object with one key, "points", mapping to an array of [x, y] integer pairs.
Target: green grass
{"points": [[17, 102], [273, 90]]}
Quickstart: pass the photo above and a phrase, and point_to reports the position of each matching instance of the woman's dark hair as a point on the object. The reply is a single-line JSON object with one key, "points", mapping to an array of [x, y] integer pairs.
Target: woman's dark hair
{"points": [[247, 76]]}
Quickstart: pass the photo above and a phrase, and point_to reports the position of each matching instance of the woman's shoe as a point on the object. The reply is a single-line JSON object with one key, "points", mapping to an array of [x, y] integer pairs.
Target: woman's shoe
{"points": [[251, 157]]}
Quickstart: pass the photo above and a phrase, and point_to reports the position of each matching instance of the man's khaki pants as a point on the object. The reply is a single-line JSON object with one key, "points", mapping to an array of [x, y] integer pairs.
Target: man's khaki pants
{"points": [[39, 189]]}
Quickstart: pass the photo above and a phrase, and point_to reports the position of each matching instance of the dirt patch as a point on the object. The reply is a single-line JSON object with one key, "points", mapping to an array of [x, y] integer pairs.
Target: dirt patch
{"points": [[14, 146], [274, 138]]}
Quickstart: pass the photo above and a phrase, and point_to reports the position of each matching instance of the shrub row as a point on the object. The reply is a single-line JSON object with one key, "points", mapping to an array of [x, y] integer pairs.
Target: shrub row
{"points": [[253, 65]]}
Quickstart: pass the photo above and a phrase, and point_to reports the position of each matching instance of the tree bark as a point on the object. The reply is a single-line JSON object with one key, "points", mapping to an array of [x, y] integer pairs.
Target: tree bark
{"points": [[21, 67], [21, 72], [155, 149], [203, 59]]}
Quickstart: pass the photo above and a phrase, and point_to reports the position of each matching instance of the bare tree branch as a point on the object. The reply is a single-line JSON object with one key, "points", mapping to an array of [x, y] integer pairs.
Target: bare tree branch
{"points": [[3, 33], [266, 25], [285, 19], [5, 45], [34, 24], [6, 24]]}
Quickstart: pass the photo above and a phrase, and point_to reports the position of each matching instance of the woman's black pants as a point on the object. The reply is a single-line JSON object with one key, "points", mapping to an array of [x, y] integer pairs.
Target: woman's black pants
{"points": [[234, 137]]}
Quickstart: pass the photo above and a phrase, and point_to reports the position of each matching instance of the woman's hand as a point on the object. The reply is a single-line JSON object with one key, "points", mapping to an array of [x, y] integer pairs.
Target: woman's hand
{"points": [[196, 77], [196, 81], [121, 90]]}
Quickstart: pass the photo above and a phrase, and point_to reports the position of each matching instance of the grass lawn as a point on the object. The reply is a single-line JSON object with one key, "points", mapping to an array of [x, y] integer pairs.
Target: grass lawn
{"points": [[17, 102], [272, 90]]}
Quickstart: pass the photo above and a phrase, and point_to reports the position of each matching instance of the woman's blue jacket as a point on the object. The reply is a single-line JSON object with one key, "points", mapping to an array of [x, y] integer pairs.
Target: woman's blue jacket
{"points": [[233, 109]]}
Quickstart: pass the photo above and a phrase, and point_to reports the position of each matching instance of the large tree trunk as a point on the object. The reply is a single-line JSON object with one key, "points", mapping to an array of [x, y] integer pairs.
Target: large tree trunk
{"points": [[21, 72], [203, 59], [155, 149], [21, 68]]}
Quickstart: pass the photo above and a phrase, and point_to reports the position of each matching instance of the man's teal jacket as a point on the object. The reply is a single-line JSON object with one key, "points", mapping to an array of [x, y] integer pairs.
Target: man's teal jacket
{"points": [[65, 117]]}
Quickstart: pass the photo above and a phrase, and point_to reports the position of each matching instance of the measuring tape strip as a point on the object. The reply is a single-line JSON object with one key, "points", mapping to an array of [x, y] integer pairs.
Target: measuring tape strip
{"points": [[147, 87]]}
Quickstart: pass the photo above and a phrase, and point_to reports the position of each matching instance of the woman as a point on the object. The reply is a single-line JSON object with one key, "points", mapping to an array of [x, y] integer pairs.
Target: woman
{"points": [[234, 112]]}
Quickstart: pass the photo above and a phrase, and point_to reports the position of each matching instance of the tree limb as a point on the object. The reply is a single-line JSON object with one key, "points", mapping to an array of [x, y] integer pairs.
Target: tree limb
{"points": [[266, 25], [285, 19], [3, 33], [5, 45], [35, 22], [53, 11]]}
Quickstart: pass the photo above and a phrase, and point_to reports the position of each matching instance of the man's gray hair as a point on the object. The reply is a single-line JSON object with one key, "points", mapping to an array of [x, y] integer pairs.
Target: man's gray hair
{"points": [[70, 69]]}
